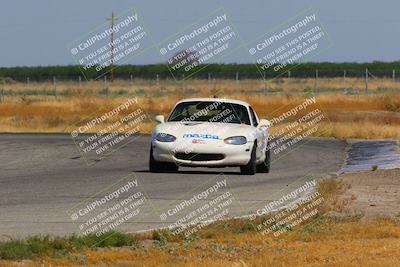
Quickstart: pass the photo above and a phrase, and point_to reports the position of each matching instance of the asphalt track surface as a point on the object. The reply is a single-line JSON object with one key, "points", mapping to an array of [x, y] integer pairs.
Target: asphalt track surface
{"points": [[43, 178]]}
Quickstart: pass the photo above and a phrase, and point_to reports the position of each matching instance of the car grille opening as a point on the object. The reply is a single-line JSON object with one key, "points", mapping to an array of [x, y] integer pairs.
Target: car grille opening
{"points": [[199, 156]]}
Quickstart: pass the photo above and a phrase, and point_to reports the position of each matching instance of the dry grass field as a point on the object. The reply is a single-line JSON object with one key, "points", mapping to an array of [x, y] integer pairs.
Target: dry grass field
{"points": [[350, 113]]}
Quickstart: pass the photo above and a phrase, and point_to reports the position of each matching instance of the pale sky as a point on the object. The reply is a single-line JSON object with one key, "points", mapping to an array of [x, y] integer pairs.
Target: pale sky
{"points": [[38, 32]]}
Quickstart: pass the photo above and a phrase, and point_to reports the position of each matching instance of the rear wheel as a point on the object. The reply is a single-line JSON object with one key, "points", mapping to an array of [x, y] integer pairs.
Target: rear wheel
{"points": [[158, 166], [265, 166], [251, 167]]}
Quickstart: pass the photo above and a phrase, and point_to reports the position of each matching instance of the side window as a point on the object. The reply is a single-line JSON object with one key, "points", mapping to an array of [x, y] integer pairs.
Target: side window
{"points": [[253, 117]]}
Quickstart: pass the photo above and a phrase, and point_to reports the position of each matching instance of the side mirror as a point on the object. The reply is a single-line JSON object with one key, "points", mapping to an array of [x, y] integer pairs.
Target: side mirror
{"points": [[264, 123], [160, 118]]}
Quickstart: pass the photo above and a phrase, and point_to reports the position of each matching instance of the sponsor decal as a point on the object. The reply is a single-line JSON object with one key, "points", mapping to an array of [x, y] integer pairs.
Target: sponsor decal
{"points": [[198, 141], [201, 136]]}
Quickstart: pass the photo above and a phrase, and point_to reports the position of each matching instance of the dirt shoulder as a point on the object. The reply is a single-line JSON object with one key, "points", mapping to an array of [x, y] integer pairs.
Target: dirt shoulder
{"points": [[373, 193]]}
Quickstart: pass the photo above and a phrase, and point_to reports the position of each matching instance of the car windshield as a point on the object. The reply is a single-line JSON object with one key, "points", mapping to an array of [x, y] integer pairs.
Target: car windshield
{"points": [[211, 112]]}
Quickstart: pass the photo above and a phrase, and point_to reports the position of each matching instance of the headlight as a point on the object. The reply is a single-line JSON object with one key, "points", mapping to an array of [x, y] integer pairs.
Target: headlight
{"points": [[163, 137], [236, 140]]}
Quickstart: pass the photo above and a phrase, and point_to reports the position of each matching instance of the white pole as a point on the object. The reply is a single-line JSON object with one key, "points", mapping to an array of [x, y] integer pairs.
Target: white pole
{"points": [[366, 80], [105, 84], [2, 90], [183, 80], [265, 85], [55, 86], [237, 79], [158, 82], [215, 84]]}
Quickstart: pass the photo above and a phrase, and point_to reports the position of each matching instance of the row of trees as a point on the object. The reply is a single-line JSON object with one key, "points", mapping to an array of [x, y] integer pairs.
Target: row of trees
{"points": [[325, 69]]}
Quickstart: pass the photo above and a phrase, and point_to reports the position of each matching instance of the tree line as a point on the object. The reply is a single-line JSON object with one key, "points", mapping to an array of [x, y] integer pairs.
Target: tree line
{"points": [[227, 71]]}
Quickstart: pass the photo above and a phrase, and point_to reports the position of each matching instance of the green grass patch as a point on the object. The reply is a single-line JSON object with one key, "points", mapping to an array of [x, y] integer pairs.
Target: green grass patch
{"points": [[39, 246]]}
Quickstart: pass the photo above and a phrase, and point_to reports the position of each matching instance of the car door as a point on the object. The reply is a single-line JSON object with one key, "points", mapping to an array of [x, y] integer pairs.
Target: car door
{"points": [[260, 134]]}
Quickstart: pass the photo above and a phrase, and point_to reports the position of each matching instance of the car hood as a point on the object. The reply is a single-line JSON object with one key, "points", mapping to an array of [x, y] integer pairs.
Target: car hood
{"points": [[205, 130]]}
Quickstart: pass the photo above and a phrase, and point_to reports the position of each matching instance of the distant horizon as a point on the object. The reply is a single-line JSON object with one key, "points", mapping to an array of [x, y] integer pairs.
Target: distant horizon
{"points": [[251, 63]]}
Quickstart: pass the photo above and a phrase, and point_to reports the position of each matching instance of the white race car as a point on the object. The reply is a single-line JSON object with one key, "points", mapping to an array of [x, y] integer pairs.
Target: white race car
{"points": [[210, 132]]}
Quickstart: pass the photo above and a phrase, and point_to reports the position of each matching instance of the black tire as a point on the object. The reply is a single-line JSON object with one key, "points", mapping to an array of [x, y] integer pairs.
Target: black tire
{"points": [[157, 166], [251, 167], [265, 166]]}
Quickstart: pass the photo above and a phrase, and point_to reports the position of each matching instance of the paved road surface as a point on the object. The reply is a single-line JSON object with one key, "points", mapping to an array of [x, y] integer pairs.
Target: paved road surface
{"points": [[43, 178]]}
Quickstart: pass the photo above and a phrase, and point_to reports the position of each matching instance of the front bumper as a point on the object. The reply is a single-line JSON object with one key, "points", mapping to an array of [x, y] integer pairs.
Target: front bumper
{"points": [[233, 155]]}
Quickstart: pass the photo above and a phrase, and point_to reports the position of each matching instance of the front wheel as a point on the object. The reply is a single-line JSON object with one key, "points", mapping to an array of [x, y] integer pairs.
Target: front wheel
{"points": [[265, 166], [251, 167], [157, 166]]}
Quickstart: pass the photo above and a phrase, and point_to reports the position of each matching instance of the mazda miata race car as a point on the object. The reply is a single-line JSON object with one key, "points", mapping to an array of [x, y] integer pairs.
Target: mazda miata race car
{"points": [[210, 132]]}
